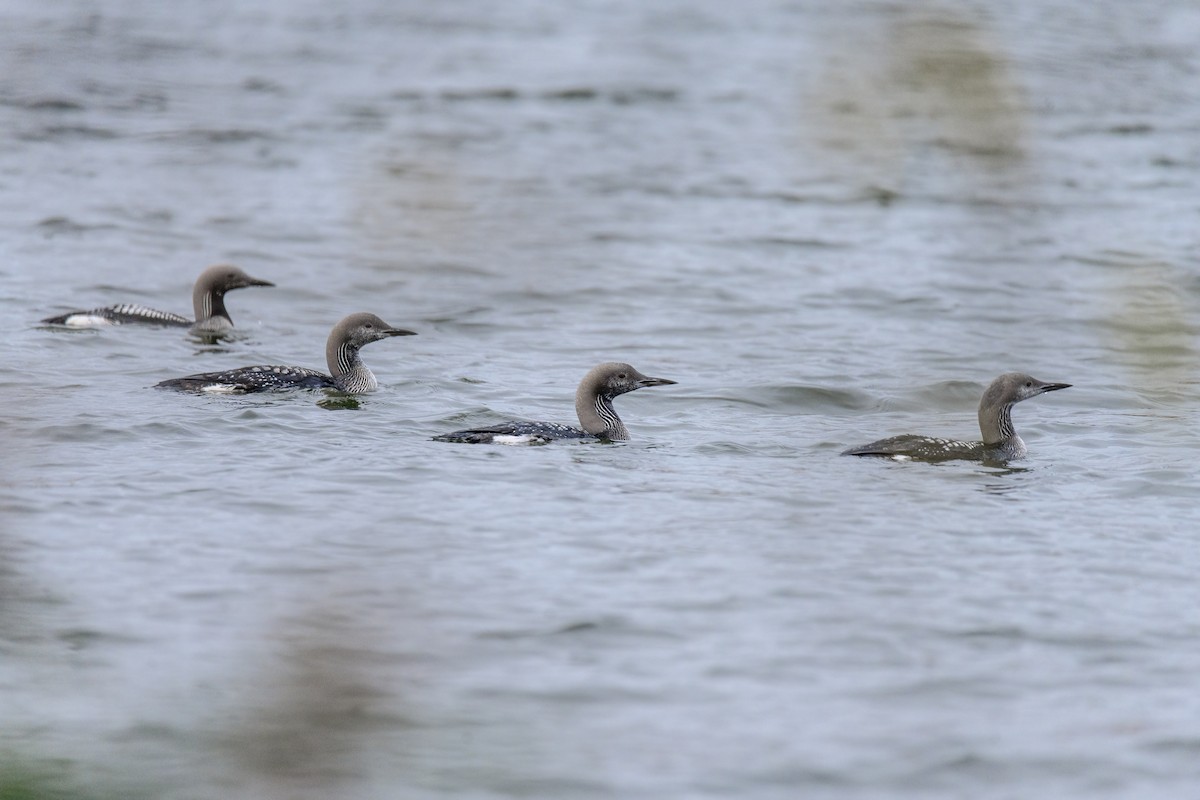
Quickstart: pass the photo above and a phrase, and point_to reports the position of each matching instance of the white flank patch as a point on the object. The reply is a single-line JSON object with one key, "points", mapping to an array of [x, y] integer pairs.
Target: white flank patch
{"points": [[86, 321], [222, 388], [509, 438], [901, 457]]}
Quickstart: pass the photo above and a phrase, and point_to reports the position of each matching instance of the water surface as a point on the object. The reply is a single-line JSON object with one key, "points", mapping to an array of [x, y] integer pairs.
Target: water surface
{"points": [[827, 224]]}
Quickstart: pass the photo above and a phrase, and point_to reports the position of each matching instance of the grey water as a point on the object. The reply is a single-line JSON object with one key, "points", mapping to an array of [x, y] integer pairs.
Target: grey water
{"points": [[828, 222]]}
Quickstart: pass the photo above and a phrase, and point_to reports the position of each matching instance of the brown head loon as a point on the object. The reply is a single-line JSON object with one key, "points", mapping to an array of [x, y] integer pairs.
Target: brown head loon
{"points": [[347, 371], [1000, 439], [208, 302], [593, 405]]}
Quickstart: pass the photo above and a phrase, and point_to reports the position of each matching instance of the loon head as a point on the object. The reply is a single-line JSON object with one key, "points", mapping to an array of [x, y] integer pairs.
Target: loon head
{"points": [[208, 295], [363, 328], [593, 398], [995, 408], [613, 378], [1013, 387], [222, 278]]}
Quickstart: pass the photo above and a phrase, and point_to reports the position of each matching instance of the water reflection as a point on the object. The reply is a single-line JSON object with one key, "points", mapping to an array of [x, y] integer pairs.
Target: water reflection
{"points": [[1151, 320], [312, 711], [339, 403], [935, 79], [1001, 470], [958, 80], [415, 194], [216, 342], [27, 774]]}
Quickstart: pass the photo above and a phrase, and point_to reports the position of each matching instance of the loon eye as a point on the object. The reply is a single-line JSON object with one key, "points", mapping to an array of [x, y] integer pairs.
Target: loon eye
{"points": [[622, 376], [368, 327], [1028, 384]]}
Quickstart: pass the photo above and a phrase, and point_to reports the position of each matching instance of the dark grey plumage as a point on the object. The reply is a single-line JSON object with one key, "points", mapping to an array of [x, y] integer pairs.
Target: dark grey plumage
{"points": [[1000, 440], [593, 405], [208, 303], [348, 373]]}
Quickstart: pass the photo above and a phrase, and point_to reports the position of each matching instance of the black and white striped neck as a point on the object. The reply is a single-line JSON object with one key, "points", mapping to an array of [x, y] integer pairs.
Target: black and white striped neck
{"points": [[614, 429], [348, 371]]}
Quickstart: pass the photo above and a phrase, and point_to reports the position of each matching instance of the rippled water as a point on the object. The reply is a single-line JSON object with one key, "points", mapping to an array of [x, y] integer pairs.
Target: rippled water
{"points": [[828, 224]]}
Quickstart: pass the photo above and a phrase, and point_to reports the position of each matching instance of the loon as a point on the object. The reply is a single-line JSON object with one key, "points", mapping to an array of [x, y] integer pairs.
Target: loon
{"points": [[1000, 439], [208, 300], [349, 373], [593, 404]]}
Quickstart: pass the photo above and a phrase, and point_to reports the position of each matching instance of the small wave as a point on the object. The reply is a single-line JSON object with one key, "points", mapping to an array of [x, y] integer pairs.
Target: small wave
{"points": [[804, 398], [60, 132], [461, 95], [218, 135], [65, 225], [56, 104]]}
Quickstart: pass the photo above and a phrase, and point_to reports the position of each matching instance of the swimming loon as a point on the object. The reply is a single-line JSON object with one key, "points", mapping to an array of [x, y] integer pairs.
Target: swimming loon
{"points": [[593, 404], [1000, 440], [208, 301], [348, 372]]}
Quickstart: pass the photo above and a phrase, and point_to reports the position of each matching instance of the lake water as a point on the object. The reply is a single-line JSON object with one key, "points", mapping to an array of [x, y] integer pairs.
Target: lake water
{"points": [[828, 222]]}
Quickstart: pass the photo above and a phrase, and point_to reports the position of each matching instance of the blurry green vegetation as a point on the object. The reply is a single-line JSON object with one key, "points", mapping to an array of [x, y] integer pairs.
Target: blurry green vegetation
{"points": [[315, 706], [953, 75], [1152, 320], [930, 81], [21, 778]]}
